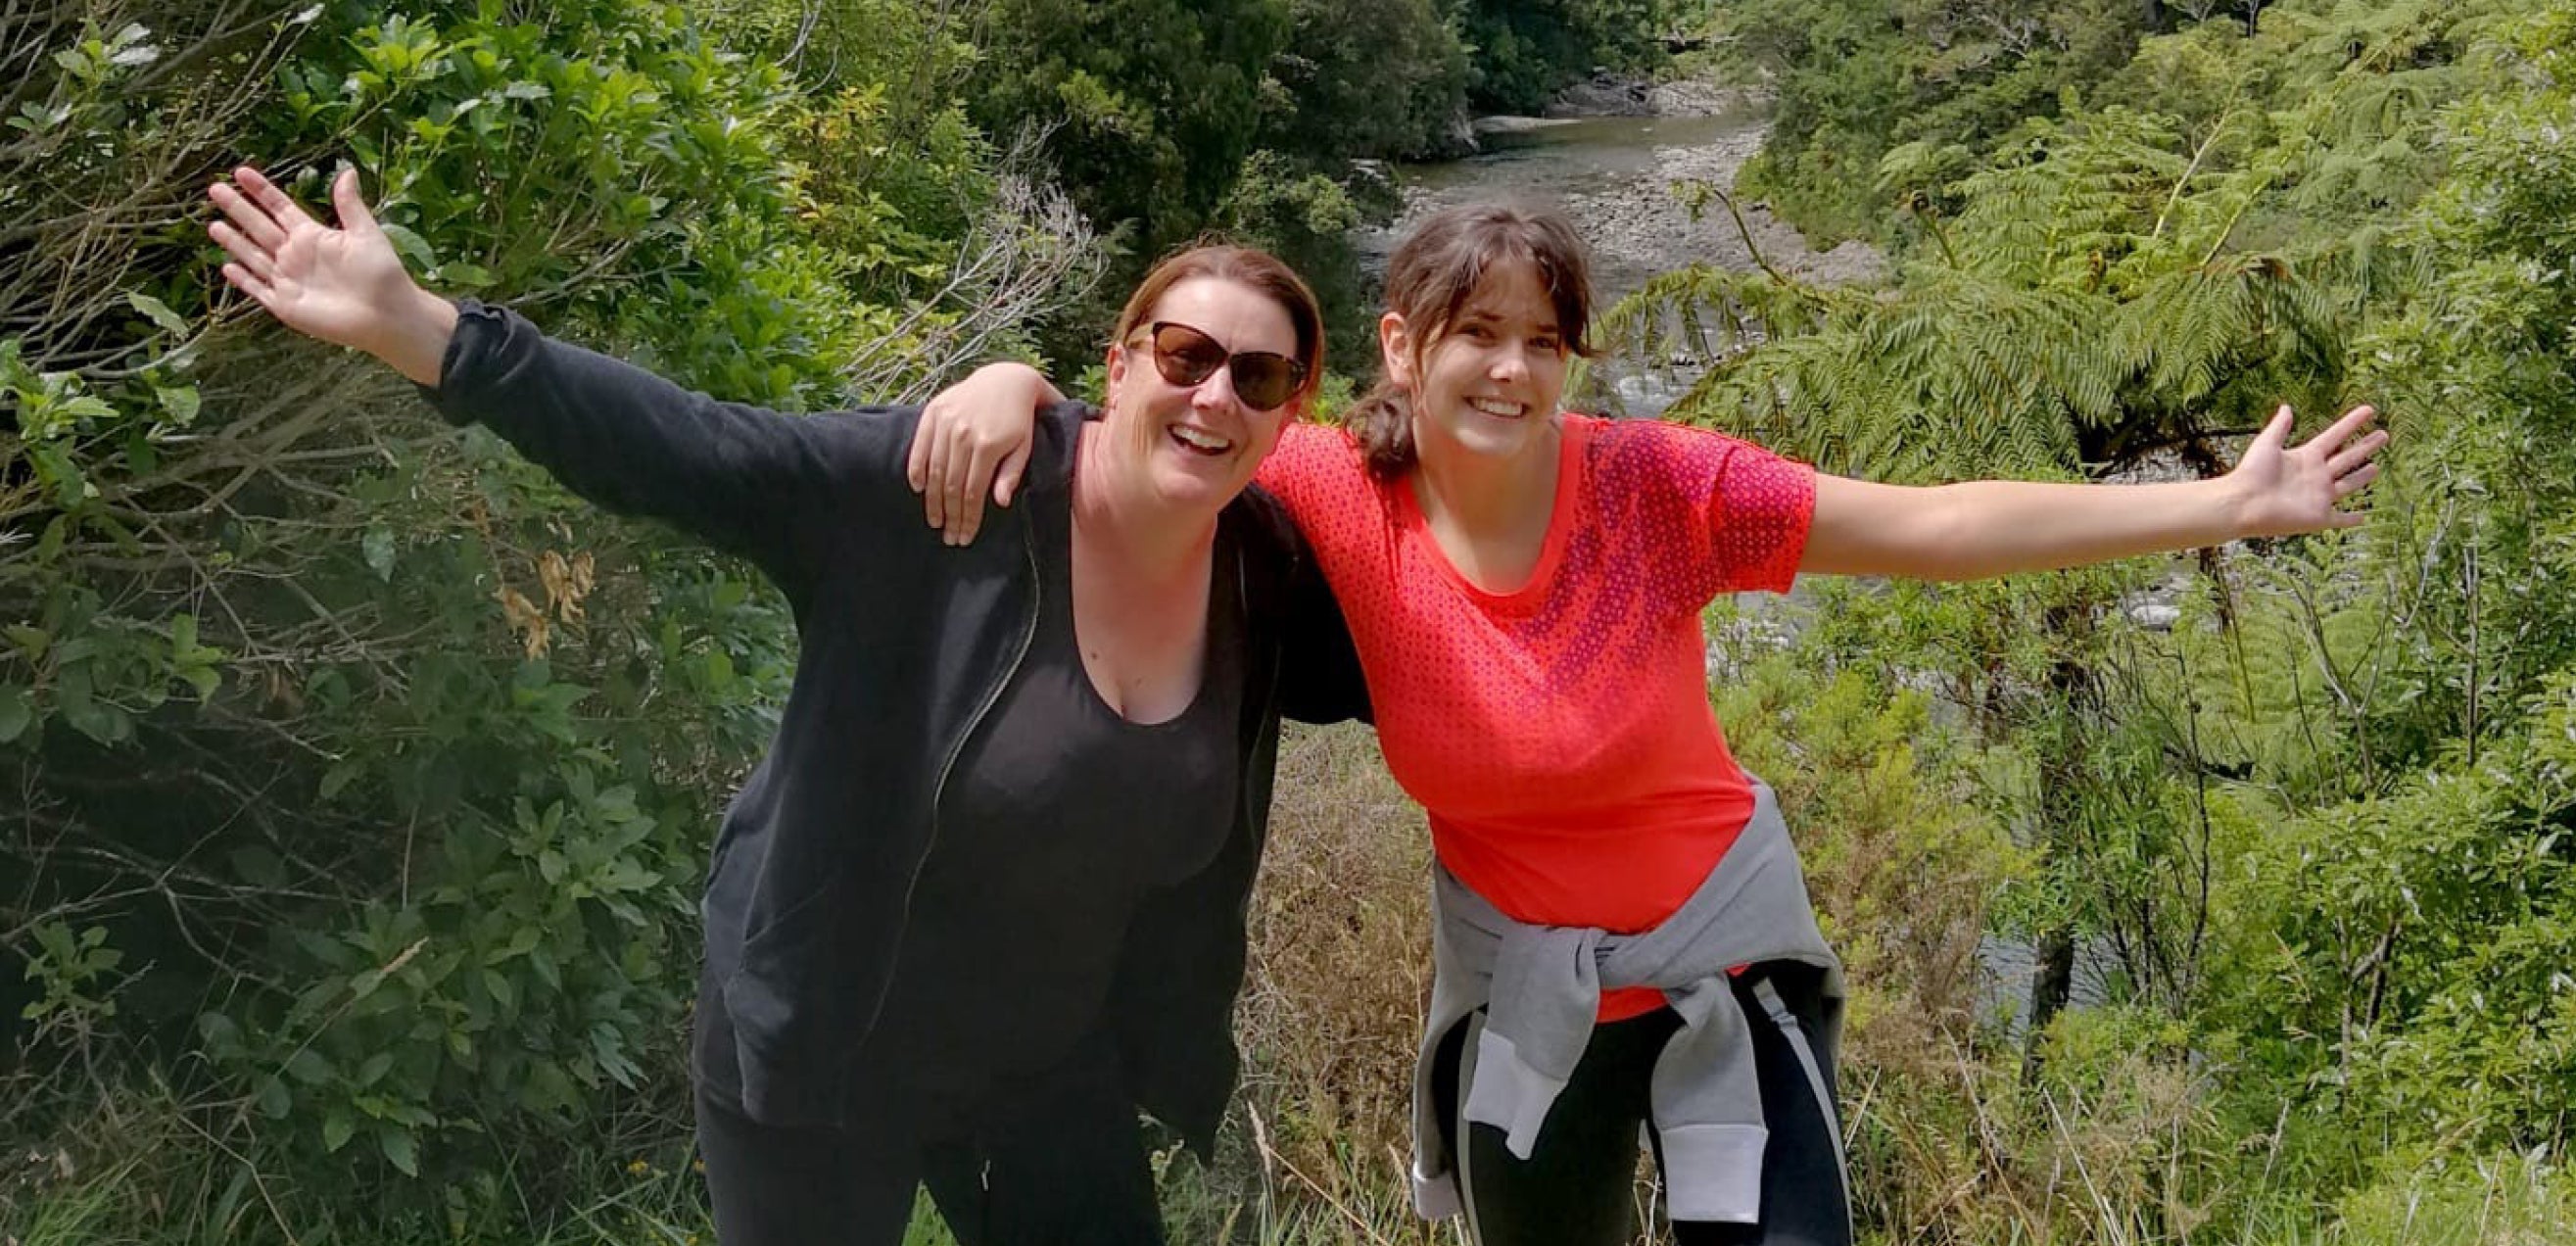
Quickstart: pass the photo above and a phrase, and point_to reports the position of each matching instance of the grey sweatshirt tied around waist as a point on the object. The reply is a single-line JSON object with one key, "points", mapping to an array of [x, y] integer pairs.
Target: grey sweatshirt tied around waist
{"points": [[1542, 985]]}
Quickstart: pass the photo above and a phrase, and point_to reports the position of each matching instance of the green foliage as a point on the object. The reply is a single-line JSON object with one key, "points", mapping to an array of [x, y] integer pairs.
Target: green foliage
{"points": [[365, 776], [2310, 826], [1373, 78], [1521, 52], [1150, 106]]}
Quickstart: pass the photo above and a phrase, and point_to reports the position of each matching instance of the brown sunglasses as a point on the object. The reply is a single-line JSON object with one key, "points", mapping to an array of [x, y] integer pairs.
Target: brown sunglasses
{"points": [[1186, 357]]}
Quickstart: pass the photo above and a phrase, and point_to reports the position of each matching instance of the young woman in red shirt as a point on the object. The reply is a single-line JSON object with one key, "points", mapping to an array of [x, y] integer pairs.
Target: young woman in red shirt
{"points": [[1624, 938]]}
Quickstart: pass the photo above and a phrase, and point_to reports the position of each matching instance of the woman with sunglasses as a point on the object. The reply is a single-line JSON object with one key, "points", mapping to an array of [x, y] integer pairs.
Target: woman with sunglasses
{"points": [[1624, 933], [984, 898]]}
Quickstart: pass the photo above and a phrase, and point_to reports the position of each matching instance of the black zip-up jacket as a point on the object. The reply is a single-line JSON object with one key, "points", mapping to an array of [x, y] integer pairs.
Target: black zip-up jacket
{"points": [[904, 644]]}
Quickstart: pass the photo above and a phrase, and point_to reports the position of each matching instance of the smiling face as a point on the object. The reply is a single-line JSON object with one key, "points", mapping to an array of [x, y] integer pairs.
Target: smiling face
{"points": [[1198, 445], [1487, 382]]}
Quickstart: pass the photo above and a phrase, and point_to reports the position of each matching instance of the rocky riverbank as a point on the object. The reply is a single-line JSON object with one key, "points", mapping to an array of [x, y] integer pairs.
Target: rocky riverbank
{"points": [[1610, 152]]}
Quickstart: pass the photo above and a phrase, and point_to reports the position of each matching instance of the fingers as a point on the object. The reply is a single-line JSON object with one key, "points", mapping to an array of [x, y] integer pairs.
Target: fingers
{"points": [[247, 218], [934, 493], [974, 484], [1006, 482], [950, 483], [244, 252], [2356, 454], [2276, 433], [916, 460], [352, 209], [249, 283], [2346, 486], [2353, 421], [271, 200]]}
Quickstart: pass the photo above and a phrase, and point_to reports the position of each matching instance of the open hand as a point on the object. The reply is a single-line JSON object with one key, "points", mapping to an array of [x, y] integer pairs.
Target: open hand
{"points": [[976, 435], [2283, 490], [345, 285]]}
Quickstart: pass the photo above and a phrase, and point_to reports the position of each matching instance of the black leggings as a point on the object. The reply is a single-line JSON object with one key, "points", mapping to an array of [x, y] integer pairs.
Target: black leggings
{"points": [[1577, 1188], [1058, 1159]]}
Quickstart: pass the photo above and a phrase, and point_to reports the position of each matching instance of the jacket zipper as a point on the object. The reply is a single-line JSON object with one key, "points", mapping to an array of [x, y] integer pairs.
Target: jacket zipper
{"points": [[1028, 634]]}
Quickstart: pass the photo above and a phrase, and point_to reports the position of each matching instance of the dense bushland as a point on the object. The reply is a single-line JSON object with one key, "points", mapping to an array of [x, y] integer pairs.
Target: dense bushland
{"points": [[359, 781], [2302, 808]]}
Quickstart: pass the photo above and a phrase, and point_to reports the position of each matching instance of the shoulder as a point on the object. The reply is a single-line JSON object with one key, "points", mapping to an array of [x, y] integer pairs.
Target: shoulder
{"points": [[1661, 457], [1261, 524], [1313, 455]]}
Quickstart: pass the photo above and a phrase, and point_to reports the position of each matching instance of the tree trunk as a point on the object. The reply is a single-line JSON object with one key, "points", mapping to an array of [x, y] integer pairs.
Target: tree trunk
{"points": [[2052, 983]]}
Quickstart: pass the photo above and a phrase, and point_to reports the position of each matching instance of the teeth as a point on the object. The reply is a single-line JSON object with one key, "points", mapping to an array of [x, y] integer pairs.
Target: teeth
{"points": [[1508, 410], [1206, 442]]}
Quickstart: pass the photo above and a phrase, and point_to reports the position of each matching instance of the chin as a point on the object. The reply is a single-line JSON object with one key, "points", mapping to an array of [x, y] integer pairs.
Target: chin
{"points": [[1192, 484], [1487, 437]]}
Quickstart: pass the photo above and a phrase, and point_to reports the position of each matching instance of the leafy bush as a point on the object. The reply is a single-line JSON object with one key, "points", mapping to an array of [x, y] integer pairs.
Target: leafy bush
{"points": [[366, 777]]}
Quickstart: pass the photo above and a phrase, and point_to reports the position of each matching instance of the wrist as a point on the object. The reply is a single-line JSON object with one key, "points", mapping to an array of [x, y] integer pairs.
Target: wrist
{"points": [[1043, 390], [2233, 508], [415, 337]]}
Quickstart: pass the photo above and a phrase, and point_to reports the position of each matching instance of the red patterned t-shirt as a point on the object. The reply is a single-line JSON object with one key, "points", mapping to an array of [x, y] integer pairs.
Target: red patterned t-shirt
{"points": [[1560, 735]]}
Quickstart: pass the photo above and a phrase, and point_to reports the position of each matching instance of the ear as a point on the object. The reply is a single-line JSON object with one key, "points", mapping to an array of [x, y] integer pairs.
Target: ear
{"points": [[1117, 375], [1395, 349]]}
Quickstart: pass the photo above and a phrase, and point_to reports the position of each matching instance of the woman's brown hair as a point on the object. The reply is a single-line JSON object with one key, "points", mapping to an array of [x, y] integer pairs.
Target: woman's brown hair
{"points": [[1259, 271], [1429, 279]]}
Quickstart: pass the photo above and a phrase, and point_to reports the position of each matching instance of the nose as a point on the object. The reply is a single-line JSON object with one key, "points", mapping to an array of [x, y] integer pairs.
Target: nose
{"points": [[1511, 363], [1214, 393]]}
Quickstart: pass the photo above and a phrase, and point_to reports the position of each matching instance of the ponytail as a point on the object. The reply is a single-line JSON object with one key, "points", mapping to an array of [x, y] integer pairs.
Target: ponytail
{"points": [[1382, 420]]}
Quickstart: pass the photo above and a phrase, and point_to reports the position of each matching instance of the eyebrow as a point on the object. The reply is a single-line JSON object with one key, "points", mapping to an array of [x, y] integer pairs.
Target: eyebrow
{"points": [[1478, 315]]}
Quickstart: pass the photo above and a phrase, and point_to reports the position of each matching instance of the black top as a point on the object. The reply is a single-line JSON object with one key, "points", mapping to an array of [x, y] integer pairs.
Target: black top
{"points": [[903, 644], [1065, 816]]}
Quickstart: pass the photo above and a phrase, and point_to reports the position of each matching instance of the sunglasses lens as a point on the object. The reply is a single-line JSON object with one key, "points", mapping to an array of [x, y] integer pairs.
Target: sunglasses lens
{"points": [[1186, 356], [1264, 380]]}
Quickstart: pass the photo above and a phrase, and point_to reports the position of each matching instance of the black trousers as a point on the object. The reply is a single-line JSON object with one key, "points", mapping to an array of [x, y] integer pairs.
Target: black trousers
{"points": [[1057, 1158], [1577, 1187]]}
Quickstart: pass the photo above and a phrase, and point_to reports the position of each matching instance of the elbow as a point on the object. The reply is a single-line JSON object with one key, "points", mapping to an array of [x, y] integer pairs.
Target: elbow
{"points": [[1944, 542]]}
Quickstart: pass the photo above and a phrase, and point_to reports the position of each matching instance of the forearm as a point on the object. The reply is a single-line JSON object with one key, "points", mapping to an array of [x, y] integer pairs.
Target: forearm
{"points": [[1999, 527]]}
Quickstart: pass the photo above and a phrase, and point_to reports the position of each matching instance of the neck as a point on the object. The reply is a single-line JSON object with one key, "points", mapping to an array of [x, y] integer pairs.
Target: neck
{"points": [[1116, 518], [1484, 495]]}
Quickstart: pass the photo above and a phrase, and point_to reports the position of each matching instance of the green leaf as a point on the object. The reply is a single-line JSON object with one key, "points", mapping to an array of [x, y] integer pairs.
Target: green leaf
{"points": [[412, 246], [274, 1102], [181, 402], [218, 1031], [336, 779], [337, 1128], [259, 867], [377, 547], [158, 312], [31, 641], [17, 713], [503, 993], [399, 1148], [308, 1066]]}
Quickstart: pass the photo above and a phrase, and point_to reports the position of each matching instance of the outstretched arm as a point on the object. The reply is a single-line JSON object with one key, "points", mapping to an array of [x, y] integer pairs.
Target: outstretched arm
{"points": [[741, 477], [1997, 527]]}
